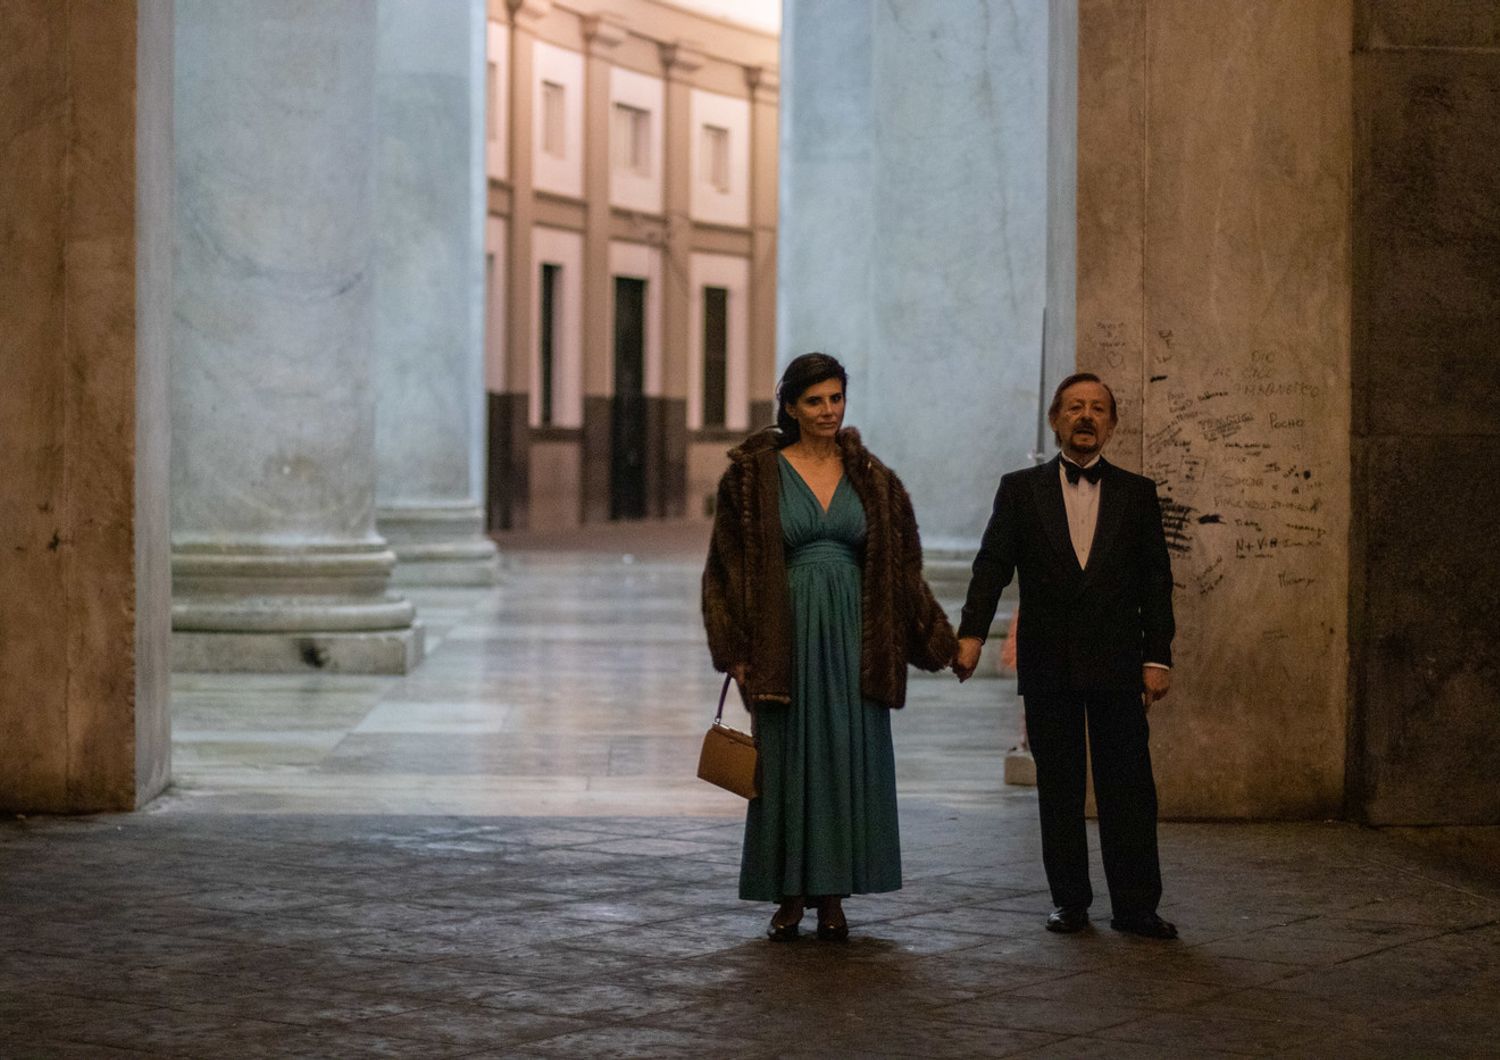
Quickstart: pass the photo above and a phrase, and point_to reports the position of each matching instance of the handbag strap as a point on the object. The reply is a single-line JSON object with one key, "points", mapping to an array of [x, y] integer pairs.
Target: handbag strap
{"points": [[719, 714]]}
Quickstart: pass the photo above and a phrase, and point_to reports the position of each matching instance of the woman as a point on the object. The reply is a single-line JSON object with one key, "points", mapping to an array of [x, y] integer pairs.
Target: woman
{"points": [[814, 600]]}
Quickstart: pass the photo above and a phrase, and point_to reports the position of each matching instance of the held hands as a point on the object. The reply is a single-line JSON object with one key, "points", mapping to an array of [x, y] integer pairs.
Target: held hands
{"points": [[1155, 683], [967, 659]]}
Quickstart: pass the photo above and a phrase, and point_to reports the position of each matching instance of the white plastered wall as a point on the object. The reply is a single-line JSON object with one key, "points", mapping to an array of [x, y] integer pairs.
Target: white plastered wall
{"points": [[497, 101], [708, 203], [638, 261], [555, 246], [732, 273], [560, 175], [628, 190]]}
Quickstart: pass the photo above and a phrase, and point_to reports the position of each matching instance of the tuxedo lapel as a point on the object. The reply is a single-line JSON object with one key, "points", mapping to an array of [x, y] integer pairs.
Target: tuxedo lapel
{"points": [[1054, 514], [1111, 511]]}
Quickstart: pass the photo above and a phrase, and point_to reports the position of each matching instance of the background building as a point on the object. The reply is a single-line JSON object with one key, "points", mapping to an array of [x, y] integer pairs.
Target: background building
{"points": [[630, 256]]}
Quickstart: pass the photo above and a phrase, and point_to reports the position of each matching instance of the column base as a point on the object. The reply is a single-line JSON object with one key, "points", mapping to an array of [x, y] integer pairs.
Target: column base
{"points": [[394, 651], [439, 545]]}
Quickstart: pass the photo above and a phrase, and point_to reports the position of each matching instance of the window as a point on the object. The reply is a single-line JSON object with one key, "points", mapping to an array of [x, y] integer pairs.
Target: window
{"points": [[715, 353], [554, 130], [548, 339], [632, 139], [716, 157]]}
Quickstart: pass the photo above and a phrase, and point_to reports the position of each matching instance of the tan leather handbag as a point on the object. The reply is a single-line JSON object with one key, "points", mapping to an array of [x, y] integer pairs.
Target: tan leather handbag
{"points": [[728, 758]]}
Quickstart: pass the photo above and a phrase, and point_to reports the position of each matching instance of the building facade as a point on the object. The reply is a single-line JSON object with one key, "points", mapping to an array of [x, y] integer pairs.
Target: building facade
{"points": [[630, 256]]}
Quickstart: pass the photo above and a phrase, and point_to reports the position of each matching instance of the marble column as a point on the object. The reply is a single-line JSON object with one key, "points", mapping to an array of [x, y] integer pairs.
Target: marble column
{"points": [[430, 205], [913, 238], [277, 565], [86, 315], [1214, 286]]}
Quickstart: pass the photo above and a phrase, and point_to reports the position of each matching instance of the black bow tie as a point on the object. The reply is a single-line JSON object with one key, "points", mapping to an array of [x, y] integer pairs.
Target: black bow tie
{"points": [[1094, 472]]}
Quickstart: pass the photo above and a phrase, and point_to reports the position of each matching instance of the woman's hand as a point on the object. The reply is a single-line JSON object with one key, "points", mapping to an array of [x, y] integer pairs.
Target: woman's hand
{"points": [[740, 671], [967, 659]]}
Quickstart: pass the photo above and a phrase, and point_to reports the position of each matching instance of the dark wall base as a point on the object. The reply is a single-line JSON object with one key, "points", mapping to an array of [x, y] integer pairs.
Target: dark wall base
{"points": [[507, 484], [595, 504], [666, 463]]}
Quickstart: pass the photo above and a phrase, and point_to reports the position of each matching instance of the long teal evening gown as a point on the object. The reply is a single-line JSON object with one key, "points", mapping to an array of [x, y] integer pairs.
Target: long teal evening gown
{"points": [[825, 821]]}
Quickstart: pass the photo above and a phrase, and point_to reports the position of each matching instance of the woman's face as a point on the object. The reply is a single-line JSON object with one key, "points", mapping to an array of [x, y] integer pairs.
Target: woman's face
{"points": [[819, 410]]}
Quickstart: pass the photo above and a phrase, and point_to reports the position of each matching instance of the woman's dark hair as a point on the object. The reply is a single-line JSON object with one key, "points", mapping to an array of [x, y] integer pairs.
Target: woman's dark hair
{"points": [[806, 371]]}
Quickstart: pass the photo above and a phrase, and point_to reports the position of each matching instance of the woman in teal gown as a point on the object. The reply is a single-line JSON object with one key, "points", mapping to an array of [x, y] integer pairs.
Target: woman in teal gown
{"points": [[825, 824]]}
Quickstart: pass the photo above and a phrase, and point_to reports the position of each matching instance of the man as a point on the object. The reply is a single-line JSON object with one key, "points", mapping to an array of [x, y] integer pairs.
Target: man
{"points": [[1093, 653]]}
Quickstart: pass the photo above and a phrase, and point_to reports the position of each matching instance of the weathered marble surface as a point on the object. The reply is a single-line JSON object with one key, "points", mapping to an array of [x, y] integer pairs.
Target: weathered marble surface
{"points": [[1426, 435], [84, 161], [912, 238], [273, 461], [429, 289], [1214, 288]]}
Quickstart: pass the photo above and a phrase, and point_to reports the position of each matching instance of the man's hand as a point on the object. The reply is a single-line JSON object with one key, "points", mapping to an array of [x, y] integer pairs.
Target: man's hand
{"points": [[1156, 683], [967, 659]]}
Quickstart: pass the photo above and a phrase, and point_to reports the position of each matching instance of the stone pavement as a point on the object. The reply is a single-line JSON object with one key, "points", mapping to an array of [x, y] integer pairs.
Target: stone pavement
{"points": [[504, 854]]}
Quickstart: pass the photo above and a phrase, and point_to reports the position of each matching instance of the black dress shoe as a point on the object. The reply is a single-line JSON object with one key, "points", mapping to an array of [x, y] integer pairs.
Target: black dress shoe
{"points": [[1067, 919], [1146, 925]]}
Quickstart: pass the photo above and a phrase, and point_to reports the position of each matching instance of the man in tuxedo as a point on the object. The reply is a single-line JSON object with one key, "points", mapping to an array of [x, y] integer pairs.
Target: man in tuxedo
{"points": [[1094, 651]]}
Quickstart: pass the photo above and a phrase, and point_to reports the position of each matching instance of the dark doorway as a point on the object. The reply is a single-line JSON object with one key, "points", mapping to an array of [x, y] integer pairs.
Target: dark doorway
{"points": [[627, 479], [715, 354], [548, 337]]}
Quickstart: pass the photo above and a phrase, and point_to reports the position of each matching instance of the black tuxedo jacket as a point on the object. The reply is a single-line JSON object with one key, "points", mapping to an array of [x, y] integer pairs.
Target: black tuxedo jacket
{"points": [[1080, 628]]}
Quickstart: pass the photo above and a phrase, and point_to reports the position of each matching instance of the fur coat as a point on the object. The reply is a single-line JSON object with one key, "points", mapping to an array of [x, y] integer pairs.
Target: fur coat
{"points": [[746, 601]]}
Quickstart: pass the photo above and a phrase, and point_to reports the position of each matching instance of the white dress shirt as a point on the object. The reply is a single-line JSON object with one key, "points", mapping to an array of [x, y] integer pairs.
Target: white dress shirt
{"points": [[1081, 498]]}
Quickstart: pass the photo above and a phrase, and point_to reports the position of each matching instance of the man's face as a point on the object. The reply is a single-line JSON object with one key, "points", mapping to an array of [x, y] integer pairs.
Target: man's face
{"points": [[1083, 422]]}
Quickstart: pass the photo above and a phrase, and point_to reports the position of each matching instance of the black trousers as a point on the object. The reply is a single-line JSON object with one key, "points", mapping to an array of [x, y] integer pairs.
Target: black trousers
{"points": [[1124, 791]]}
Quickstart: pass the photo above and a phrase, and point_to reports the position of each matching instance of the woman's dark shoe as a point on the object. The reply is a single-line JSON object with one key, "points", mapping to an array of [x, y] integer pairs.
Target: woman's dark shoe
{"points": [[832, 927], [784, 923]]}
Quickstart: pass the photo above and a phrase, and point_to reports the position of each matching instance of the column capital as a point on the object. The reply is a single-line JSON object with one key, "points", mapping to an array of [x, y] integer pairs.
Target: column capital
{"points": [[601, 33], [531, 11], [680, 59], [764, 81]]}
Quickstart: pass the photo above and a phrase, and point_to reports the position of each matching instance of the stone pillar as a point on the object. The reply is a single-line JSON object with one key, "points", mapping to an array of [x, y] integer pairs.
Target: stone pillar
{"points": [[86, 164], [1426, 493], [430, 205], [765, 85], [510, 424], [1214, 151], [666, 425], [913, 238], [1061, 342], [276, 562], [601, 34]]}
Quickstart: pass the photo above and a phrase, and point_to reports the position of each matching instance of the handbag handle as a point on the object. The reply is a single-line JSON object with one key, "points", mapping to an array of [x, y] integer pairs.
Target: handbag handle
{"points": [[719, 714]]}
